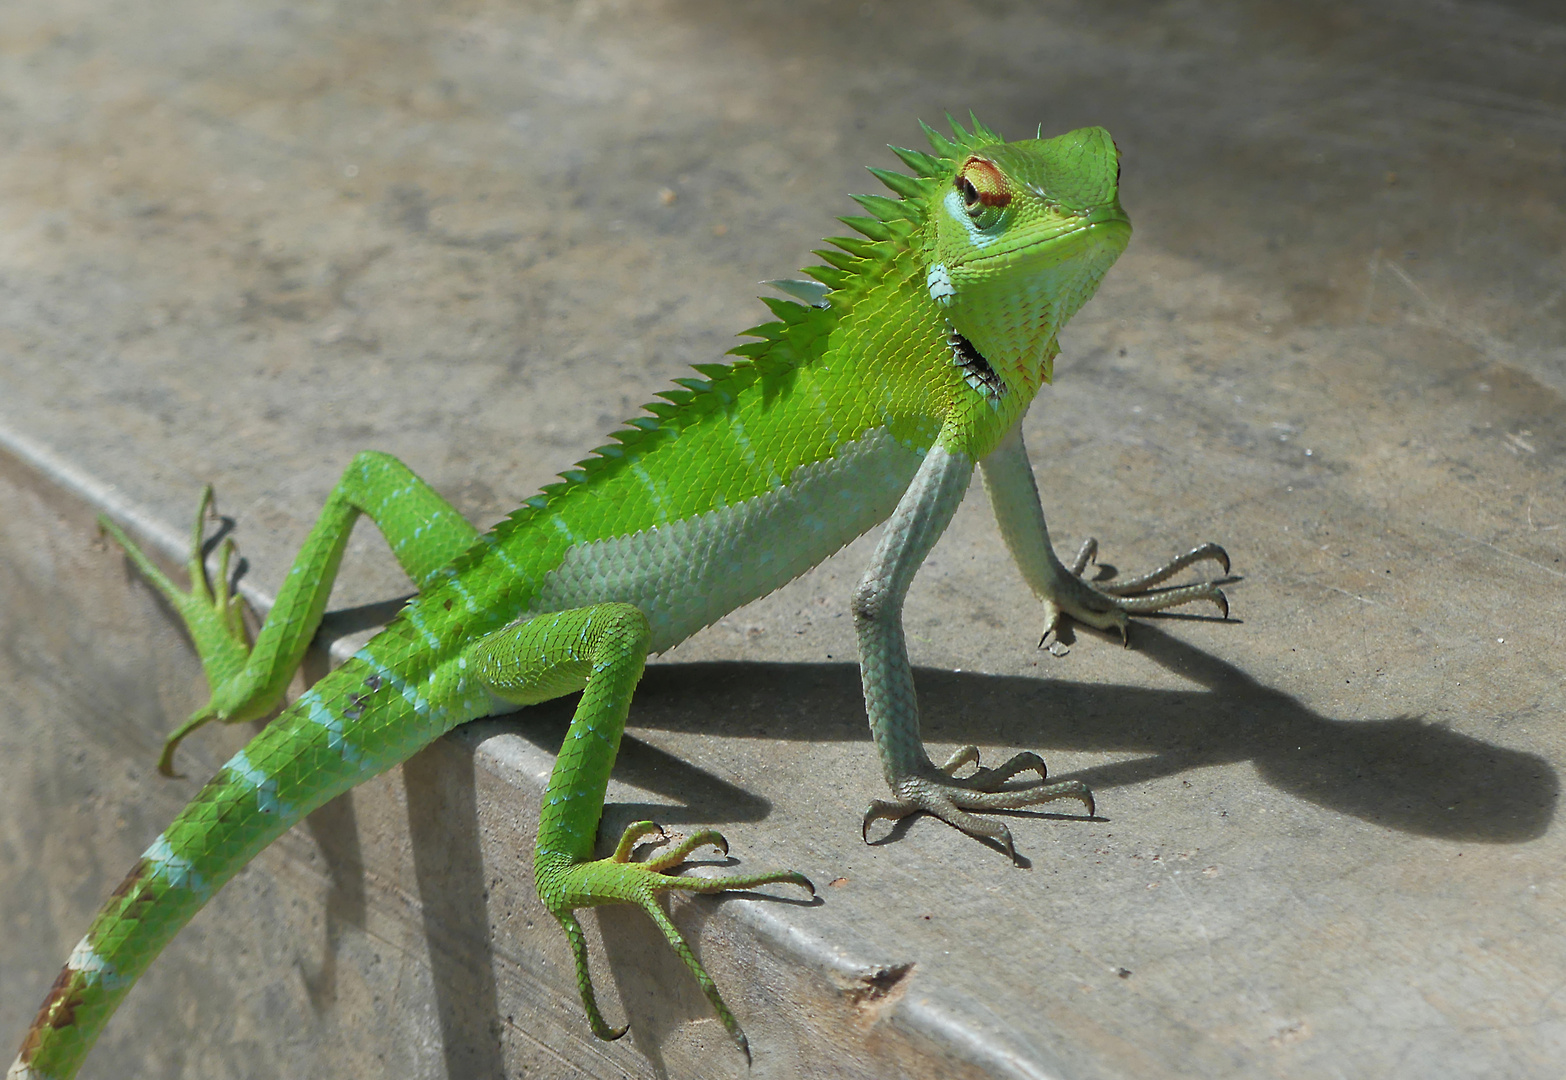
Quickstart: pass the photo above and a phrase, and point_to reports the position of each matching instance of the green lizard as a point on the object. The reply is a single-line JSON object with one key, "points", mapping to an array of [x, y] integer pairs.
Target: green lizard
{"points": [[906, 359]]}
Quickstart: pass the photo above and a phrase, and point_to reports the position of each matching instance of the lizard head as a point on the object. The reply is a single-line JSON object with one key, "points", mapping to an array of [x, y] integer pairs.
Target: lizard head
{"points": [[1023, 233]]}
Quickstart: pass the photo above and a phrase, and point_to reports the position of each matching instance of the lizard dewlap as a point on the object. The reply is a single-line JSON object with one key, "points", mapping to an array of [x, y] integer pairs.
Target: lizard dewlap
{"points": [[908, 357]]}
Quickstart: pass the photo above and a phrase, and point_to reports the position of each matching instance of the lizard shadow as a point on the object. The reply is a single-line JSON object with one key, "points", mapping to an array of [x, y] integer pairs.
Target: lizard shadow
{"points": [[448, 866], [1398, 772], [444, 838]]}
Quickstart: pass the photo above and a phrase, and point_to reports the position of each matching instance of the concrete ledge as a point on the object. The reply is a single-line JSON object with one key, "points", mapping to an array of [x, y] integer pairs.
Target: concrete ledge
{"points": [[407, 903]]}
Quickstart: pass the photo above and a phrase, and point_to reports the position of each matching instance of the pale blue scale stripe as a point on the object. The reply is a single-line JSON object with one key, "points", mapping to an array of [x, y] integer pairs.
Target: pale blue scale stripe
{"points": [[737, 434], [336, 737], [401, 685], [95, 970], [499, 551], [654, 488], [416, 617], [805, 378], [467, 597], [265, 786], [176, 871]]}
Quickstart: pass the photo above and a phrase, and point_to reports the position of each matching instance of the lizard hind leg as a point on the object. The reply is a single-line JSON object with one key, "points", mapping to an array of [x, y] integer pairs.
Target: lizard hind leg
{"points": [[600, 651], [247, 682]]}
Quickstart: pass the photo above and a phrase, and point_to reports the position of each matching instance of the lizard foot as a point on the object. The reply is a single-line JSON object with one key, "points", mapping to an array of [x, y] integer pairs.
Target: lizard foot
{"points": [[950, 797], [1108, 605], [617, 879], [213, 616]]}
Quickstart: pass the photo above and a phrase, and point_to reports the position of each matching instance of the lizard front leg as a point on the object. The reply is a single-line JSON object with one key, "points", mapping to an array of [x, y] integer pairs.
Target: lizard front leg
{"points": [[1008, 478], [917, 783]]}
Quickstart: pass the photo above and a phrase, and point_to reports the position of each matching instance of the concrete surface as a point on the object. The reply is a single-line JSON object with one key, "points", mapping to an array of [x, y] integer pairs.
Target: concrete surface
{"points": [[240, 241]]}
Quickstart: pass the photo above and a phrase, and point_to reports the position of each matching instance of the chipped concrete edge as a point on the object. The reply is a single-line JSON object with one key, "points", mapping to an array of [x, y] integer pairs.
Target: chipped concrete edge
{"points": [[952, 1021]]}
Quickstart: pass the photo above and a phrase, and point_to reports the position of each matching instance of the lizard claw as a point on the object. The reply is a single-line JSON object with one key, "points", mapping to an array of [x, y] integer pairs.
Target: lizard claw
{"points": [[619, 879], [1108, 605], [983, 779], [950, 798]]}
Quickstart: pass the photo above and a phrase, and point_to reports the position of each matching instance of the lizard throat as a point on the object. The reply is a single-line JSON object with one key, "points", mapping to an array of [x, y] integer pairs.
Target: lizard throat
{"points": [[976, 371]]}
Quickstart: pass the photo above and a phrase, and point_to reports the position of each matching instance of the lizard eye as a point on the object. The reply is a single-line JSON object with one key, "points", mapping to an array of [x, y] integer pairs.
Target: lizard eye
{"points": [[983, 190], [969, 193]]}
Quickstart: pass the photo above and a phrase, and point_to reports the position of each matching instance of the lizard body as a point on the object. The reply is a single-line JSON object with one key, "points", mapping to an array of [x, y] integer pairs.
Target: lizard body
{"points": [[910, 357]]}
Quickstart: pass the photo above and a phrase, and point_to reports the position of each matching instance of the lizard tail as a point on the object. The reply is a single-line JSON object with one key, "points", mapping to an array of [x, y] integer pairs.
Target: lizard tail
{"points": [[300, 761]]}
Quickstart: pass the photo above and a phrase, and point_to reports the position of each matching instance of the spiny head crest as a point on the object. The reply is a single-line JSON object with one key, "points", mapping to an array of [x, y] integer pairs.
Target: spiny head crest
{"points": [[891, 222]]}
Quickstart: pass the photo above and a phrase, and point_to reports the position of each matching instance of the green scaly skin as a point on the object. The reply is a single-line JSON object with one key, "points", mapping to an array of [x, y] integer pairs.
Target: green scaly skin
{"points": [[914, 355]]}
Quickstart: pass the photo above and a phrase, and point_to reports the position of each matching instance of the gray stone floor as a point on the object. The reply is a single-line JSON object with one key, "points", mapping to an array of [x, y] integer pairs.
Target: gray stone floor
{"points": [[240, 241]]}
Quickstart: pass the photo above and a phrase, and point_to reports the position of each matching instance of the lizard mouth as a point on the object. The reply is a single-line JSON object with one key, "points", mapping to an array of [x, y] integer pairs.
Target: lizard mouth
{"points": [[1103, 229]]}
